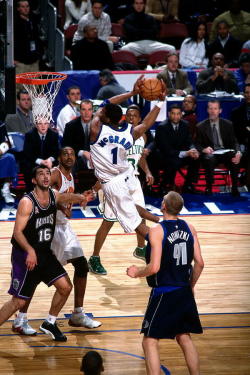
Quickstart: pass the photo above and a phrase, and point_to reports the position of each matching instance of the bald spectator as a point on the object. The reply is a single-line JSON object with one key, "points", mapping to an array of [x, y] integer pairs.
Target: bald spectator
{"points": [[91, 53], [164, 10], [22, 121], [110, 87], [216, 78], [141, 32], [176, 79], [226, 44], [237, 19]]}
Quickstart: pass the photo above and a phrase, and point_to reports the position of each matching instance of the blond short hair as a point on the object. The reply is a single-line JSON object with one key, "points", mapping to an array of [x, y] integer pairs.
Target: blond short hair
{"points": [[173, 203]]}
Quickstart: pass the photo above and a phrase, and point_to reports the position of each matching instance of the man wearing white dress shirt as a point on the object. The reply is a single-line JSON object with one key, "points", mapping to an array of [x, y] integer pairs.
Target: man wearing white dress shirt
{"points": [[70, 111], [101, 20]]}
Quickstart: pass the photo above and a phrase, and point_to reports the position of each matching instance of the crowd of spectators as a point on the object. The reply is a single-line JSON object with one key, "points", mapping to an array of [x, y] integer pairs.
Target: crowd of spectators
{"points": [[217, 40]]}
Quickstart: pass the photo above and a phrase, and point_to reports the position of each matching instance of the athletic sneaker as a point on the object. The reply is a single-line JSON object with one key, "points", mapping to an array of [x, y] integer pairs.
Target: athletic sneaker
{"points": [[53, 331], [140, 253], [95, 265], [23, 327], [83, 320]]}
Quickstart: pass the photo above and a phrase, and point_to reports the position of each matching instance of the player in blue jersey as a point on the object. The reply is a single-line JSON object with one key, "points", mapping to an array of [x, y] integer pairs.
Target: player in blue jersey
{"points": [[171, 312]]}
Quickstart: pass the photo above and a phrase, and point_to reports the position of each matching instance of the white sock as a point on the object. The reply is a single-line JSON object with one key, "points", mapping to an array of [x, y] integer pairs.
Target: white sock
{"points": [[21, 316], [78, 310], [51, 319]]}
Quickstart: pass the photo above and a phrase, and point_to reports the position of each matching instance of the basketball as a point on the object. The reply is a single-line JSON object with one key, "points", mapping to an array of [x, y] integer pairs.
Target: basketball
{"points": [[151, 88]]}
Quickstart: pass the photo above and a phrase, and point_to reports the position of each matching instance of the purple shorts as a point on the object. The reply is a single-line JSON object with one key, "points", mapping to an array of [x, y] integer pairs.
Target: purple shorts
{"points": [[24, 282]]}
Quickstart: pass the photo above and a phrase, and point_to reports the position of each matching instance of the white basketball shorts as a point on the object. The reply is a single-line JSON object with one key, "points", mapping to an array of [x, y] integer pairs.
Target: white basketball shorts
{"points": [[65, 244], [118, 195]]}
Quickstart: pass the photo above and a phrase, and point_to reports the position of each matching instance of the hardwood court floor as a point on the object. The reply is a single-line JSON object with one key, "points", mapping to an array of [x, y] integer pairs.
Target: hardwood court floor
{"points": [[222, 294]]}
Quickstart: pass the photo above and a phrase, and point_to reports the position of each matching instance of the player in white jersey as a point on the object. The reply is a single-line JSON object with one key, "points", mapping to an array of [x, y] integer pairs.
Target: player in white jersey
{"points": [[109, 143], [66, 248]]}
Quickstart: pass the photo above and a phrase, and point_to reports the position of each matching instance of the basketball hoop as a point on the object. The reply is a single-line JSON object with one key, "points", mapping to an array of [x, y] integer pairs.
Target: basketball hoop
{"points": [[42, 88]]}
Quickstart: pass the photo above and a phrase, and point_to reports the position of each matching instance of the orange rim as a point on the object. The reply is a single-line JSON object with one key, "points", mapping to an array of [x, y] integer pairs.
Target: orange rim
{"points": [[31, 78]]}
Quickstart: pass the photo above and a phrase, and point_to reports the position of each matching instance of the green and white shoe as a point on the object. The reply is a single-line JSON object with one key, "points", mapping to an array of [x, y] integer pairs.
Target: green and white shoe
{"points": [[95, 265], [140, 253]]}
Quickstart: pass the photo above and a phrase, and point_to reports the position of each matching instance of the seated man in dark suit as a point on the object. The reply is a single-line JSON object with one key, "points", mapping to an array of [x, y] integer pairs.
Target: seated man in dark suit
{"points": [[216, 78], [91, 53], [217, 144], [176, 80], [76, 135], [173, 140], [241, 122], [226, 44], [41, 147]]}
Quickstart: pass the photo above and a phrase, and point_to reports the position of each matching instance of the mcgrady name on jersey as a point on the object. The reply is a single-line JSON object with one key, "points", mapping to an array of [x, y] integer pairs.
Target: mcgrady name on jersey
{"points": [[115, 139]]}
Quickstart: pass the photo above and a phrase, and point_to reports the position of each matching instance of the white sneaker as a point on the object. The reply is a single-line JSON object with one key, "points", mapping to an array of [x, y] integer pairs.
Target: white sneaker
{"points": [[6, 194], [23, 327], [83, 320]]}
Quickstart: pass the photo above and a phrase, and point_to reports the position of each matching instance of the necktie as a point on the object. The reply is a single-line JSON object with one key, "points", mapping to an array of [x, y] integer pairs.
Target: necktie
{"points": [[173, 80], [42, 145], [215, 138]]}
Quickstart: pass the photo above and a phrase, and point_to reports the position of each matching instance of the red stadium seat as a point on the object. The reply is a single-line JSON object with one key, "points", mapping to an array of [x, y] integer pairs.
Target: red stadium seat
{"points": [[124, 57]]}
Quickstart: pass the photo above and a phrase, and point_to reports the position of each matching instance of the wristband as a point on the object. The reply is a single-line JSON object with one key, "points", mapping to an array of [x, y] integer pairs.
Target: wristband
{"points": [[4, 147], [160, 104]]}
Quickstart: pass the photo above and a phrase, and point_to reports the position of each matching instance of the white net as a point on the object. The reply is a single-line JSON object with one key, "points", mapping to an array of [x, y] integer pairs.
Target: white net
{"points": [[42, 88]]}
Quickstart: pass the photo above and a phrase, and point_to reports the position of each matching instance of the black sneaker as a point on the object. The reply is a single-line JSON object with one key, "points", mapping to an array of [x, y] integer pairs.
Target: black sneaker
{"points": [[53, 331]]}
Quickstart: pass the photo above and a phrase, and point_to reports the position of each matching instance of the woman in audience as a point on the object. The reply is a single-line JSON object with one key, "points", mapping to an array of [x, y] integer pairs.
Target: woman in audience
{"points": [[74, 10], [193, 52]]}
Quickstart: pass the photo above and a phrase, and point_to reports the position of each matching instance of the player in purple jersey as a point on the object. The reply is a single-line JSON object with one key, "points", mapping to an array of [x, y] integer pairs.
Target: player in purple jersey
{"points": [[32, 258], [171, 312]]}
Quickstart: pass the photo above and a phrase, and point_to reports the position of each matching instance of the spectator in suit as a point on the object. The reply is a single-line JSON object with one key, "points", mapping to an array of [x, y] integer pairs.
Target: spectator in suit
{"points": [[101, 20], [176, 80], [237, 19], [91, 53], [164, 10], [8, 168], [41, 147], [216, 78], [173, 140], [241, 122], [70, 110], [193, 52], [226, 44], [27, 45], [22, 121], [141, 32], [76, 135], [110, 87], [189, 114], [243, 74], [217, 144]]}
